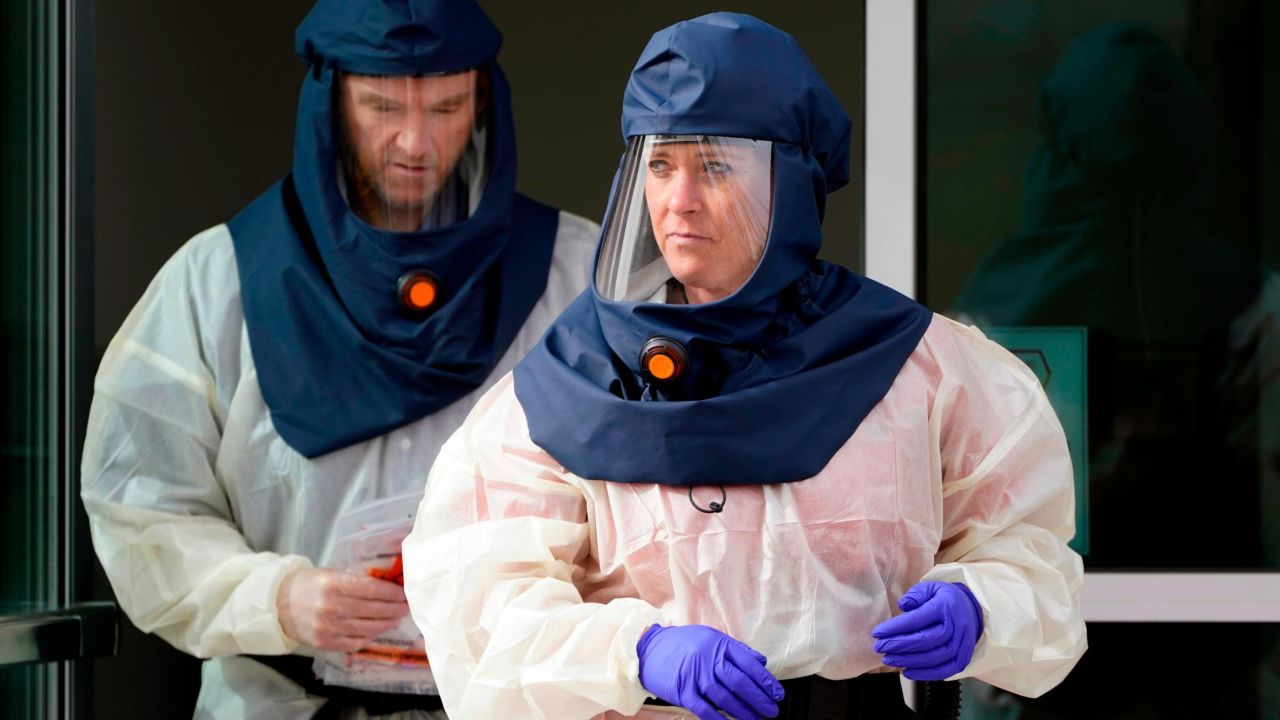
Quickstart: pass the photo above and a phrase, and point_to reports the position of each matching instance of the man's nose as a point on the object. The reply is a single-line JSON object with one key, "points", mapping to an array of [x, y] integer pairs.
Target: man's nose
{"points": [[686, 195], [414, 140]]}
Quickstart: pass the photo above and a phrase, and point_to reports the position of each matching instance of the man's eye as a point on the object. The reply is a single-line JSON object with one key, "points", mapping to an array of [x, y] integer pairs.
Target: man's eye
{"points": [[446, 109]]}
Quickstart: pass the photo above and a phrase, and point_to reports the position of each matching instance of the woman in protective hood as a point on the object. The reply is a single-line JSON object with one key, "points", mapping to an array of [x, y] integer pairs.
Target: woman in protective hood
{"points": [[729, 464]]}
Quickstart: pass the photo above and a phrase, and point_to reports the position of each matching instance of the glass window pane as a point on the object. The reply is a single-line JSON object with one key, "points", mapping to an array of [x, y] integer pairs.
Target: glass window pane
{"points": [[30, 565], [27, 583], [1111, 166]]}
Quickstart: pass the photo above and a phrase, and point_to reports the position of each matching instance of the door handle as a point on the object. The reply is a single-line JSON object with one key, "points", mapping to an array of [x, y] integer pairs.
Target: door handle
{"points": [[76, 632]]}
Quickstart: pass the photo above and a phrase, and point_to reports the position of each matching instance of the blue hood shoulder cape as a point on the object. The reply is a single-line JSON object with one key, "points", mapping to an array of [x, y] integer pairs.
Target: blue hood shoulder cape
{"points": [[337, 361], [783, 371]]}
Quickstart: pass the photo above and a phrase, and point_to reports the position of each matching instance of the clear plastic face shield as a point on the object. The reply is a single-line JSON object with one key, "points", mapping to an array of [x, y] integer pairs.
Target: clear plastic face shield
{"points": [[690, 220], [412, 148]]}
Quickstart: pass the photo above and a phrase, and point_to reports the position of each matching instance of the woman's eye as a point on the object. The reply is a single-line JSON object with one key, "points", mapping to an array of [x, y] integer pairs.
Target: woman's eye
{"points": [[715, 167], [659, 167]]}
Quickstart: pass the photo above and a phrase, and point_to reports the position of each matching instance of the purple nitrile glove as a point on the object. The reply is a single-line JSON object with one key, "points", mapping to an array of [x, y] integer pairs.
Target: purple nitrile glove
{"points": [[704, 670], [935, 635]]}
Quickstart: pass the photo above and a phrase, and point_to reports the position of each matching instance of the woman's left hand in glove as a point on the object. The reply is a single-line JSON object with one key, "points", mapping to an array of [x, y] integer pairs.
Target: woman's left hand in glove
{"points": [[935, 635]]}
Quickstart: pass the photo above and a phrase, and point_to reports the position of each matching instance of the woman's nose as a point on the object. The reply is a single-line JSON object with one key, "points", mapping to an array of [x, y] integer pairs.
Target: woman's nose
{"points": [[686, 195]]}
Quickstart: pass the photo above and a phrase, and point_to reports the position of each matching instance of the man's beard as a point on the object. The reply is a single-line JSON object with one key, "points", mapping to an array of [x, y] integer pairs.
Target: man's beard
{"points": [[365, 193], [365, 190]]}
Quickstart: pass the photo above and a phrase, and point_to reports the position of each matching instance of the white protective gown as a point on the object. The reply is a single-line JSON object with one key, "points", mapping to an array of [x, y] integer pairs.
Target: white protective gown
{"points": [[532, 585], [198, 509]]}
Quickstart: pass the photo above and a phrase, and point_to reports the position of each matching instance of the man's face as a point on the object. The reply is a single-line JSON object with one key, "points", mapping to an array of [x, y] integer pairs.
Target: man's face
{"points": [[403, 138]]}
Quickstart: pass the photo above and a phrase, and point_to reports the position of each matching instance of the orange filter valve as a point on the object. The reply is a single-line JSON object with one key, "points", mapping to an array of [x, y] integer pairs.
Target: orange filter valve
{"points": [[664, 359], [418, 291]]}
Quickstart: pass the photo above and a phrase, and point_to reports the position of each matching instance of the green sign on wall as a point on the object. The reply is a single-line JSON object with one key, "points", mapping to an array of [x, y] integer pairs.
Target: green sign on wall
{"points": [[1058, 356]]}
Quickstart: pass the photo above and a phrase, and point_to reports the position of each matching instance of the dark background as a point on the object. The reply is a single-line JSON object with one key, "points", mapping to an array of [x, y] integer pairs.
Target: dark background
{"points": [[195, 111], [985, 60], [193, 118]]}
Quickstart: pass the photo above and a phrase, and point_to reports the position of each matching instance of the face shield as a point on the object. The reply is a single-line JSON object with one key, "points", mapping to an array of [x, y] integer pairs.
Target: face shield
{"points": [[690, 219], [412, 148]]}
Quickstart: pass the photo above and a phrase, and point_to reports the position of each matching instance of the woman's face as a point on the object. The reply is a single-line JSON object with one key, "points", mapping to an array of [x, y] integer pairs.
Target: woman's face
{"points": [[709, 204]]}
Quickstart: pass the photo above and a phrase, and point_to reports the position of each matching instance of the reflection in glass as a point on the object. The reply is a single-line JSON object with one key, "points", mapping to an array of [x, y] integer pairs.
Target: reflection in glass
{"points": [[1114, 236], [1140, 133]]}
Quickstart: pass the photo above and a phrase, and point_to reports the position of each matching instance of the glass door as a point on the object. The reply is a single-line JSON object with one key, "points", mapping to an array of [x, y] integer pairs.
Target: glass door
{"points": [[1093, 184], [46, 332]]}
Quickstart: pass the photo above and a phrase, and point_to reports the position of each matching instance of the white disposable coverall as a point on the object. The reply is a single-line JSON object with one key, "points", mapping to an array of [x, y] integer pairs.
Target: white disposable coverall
{"points": [[198, 509], [532, 585]]}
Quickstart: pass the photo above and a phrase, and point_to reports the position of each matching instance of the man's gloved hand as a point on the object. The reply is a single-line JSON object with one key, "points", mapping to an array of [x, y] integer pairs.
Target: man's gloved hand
{"points": [[704, 670], [338, 611], [935, 635]]}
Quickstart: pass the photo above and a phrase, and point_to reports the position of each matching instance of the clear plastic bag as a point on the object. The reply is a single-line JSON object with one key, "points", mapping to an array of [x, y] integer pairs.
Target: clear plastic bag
{"points": [[369, 538]]}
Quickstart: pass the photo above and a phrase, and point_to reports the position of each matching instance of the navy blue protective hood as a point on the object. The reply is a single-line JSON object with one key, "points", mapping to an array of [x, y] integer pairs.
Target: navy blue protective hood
{"points": [[337, 360], [783, 371]]}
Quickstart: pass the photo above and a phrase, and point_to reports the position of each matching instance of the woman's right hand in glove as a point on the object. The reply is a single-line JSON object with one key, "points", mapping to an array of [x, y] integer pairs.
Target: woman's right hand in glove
{"points": [[338, 611], [704, 670]]}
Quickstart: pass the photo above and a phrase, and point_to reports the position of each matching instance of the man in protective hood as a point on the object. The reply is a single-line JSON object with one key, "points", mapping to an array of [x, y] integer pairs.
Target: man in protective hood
{"points": [[733, 478], [288, 370]]}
